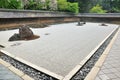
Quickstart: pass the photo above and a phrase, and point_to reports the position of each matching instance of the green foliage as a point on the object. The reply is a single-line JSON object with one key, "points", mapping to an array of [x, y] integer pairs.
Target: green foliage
{"points": [[73, 7], [4, 3], [63, 5], [47, 4], [11, 4], [115, 4], [15, 4], [33, 5], [116, 10], [97, 9]]}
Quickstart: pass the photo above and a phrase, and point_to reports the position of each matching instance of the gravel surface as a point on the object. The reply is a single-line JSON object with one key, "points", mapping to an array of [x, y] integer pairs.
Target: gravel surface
{"points": [[35, 74], [82, 73], [65, 59], [59, 45]]}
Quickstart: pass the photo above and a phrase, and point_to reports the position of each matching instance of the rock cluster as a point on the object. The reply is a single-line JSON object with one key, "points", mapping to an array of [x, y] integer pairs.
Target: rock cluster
{"points": [[25, 33]]}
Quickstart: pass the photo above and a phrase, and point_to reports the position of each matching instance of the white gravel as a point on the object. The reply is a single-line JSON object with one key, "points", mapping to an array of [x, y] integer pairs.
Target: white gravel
{"points": [[64, 46]]}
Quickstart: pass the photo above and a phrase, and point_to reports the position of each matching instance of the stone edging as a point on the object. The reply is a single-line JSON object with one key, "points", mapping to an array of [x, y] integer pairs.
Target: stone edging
{"points": [[16, 71], [84, 61], [28, 64], [12, 13], [99, 63]]}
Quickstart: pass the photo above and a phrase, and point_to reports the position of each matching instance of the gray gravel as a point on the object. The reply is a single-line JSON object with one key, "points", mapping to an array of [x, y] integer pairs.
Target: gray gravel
{"points": [[37, 75]]}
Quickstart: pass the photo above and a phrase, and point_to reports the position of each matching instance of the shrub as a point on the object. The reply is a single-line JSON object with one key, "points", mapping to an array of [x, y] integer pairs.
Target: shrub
{"points": [[15, 4], [97, 9], [115, 10], [63, 5], [47, 4], [4, 3], [33, 5], [11, 4], [73, 7]]}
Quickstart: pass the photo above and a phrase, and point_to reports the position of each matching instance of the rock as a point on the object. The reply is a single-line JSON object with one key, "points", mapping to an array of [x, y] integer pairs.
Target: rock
{"points": [[25, 32], [81, 23], [15, 37], [103, 24], [78, 23]]}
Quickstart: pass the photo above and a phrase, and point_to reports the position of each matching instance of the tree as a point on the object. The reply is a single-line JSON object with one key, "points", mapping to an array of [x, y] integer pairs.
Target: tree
{"points": [[111, 5], [73, 7], [115, 5], [83, 5], [97, 9], [63, 5]]}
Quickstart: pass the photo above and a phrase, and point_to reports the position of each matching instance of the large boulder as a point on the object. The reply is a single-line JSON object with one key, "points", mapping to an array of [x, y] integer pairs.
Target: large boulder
{"points": [[25, 32]]}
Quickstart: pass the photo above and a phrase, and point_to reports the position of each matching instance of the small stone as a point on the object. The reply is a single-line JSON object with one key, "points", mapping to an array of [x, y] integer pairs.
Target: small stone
{"points": [[103, 24], [81, 23]]}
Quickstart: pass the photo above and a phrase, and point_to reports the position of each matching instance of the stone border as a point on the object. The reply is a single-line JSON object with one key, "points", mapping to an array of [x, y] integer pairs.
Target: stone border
{"points": [[99, 63], [28, 64], [99, 15], [86, 68], [85, 60], [16, 71], [13, 13]]}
